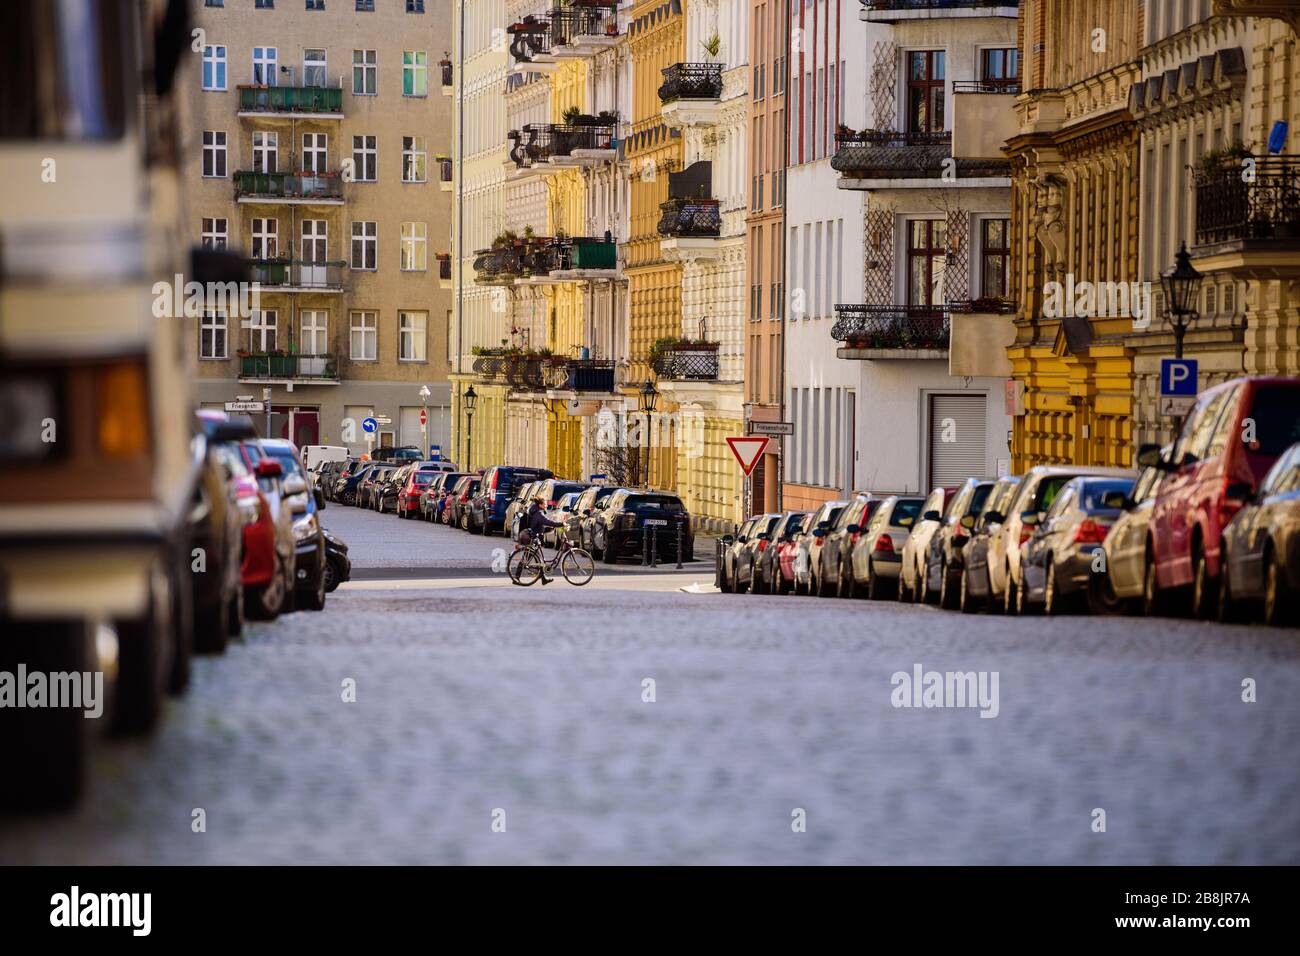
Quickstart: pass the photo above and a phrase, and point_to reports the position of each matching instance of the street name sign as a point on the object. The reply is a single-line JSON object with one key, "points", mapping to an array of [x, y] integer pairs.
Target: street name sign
{"points": [[244, 406], [771, 429]]}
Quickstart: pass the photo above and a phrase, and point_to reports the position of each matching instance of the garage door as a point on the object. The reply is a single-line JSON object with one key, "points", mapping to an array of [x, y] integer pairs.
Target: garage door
{"points": [[957, 438], [410, 426]]}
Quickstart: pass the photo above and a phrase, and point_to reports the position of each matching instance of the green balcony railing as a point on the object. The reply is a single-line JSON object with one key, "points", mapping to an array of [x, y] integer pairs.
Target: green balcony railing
{"points": [[292, 273], [271, 365], [594, 254], [290, 99], [323, 186]]}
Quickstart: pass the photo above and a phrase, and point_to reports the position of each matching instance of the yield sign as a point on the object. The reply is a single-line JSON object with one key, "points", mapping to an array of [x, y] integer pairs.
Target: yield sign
{"points": [[747, 450]]}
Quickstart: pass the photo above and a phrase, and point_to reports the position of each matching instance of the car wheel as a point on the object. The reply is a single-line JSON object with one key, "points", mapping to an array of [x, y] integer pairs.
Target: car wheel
{"points": [[875, 583], [212, 628], [610, 553], [966, 602], [949, 590], [1102, 599], [314, 599], [46, 746], [1153, 597], [1277, 606], [1228, 611], [1204, 588], [1010, 595], [143, 668], [464, 521], [265, 603], [1051, 603], [1023, 607]]}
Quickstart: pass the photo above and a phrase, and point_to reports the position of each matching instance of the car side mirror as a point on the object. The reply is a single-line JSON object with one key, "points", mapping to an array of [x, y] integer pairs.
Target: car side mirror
{"points": [[728, 539], [854, 529], [741, 539], [1029, 518], [931, 516], [1148, 456], [566, 509], [1240, 491], [994, 517], [967, 521]]}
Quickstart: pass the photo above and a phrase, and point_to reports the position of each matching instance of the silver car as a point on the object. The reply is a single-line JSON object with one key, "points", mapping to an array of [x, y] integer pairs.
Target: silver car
{"points": [[878, 555], [1125, 546]]}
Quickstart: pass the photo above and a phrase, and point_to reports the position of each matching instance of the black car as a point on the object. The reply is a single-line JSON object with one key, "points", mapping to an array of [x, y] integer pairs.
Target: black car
{"points": [[386, 491], [338, 567], [751, 545], [579, 520], [349, 480], [945, 563], [376, 475], [1061, 558], [400, 454], [487, 509], [622, 524]]}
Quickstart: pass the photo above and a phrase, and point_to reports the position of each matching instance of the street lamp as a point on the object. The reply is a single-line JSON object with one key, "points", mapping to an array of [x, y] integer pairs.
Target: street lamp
{"points": [[1181, 284], [424, 418], [648, 396], [471, 399]]}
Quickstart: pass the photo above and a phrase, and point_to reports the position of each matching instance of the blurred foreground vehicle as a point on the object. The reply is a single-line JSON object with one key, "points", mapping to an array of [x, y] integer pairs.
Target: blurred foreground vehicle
{"points": [[97, 473], [1261, 557]]}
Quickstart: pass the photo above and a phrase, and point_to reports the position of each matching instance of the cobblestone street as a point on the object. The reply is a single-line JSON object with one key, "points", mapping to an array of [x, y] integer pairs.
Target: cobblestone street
{"points": [[474, 695]]}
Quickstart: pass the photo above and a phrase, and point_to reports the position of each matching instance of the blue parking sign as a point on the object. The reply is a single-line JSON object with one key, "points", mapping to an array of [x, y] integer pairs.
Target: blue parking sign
{"points": [[1178, 377]]}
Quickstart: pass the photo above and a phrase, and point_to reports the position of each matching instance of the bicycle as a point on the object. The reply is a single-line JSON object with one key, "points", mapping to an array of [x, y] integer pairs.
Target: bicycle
{"points": [[527, 562]]}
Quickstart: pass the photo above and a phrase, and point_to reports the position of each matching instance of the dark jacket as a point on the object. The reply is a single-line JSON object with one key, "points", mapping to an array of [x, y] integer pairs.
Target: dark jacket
{"points": [[537, 520]]}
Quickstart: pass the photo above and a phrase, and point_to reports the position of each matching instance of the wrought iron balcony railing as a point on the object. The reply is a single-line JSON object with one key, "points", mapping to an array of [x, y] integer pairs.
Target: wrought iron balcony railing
{"points": [[295, 274], [1011, 85], [290, 99], [559, 255], [323, 186], [695, 365], [544, 142], [881, 137], [531, 38], [517, 370], [690, 218], [1230, 209], [581, 375], [891, 5], [911, 327], [888, 154], [691, 81], [269, 365], [497, 265]]}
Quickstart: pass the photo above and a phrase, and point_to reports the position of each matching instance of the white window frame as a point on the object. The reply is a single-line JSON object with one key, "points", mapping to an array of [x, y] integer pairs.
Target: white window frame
{"points": [[418, 67], [367, 70], [264, 239], [212, 323], [369, 149], [214, 232], [214, 59], [367, 236], [266, 145], [266, 60], [414, 247], [415, 159], [214, 146], [323, 63], [263, 324], [315, 325], [316, 144], [364, 323], [412, 336]]}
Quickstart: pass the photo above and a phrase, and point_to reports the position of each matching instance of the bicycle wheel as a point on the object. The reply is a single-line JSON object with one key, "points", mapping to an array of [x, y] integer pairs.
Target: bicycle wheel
{"points": [[523, 567], [577, 567]]}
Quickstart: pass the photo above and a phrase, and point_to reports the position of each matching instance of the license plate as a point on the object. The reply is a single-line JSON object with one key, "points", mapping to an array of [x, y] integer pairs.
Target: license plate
{"points": [[656, 522]]}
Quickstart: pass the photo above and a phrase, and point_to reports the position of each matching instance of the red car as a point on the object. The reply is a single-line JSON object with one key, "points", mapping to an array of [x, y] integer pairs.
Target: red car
{"points": [[787, 549], [408, 497], [1230, 439]]}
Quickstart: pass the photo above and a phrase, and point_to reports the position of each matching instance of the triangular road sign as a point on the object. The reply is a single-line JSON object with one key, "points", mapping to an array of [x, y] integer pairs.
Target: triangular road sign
{"points": [[747, 450]]}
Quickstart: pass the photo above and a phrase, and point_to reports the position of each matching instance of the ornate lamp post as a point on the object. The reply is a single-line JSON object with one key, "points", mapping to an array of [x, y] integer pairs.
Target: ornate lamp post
{"points": [[470, 399], [648, 396], [1181, 284]]}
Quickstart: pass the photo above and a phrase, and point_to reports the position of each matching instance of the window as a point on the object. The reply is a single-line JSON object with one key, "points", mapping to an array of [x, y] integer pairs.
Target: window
{"points": [[927, 254], [366, 6], [415, 73], [995, 257], [214, 3], [265, 238], [413, 252], [261, 330], [315, 4], [364, 159], [264, 5], [214, 154], [411, 336], [414, 6], [265, 152], [925, 90], [414, 160], [212, 335], [364, 337], [315, 242], [265, 72], [1000, 67], [313, 68], [315, 152], [365, 245], [214, 67], [365, 72], [215, 233], [315, 333]]}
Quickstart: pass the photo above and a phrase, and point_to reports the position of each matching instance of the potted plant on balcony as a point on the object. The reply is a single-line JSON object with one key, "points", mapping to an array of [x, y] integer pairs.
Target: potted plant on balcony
{"points": [[712, 46]]}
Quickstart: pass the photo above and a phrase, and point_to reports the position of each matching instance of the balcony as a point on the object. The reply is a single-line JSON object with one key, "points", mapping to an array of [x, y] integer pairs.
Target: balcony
{"points": [[317, 102], [983, 119], [321, 189], [1249, 227], [514, 368], [578, 32], [686, 363], [291, 275], [874, 332], [531, 46], [886, 159], [444, 270], [544, 148], [893, 11], [584, 258], [497, 266], [691, 94], [320, 369], [581, 376], [690, 228]]}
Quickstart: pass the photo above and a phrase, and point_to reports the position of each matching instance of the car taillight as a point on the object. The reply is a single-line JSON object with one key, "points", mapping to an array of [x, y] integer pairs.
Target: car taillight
{"points": [[1089, 532], [884, 543], [853, 538], [346, 474], [762, 544], [1025, 534]]}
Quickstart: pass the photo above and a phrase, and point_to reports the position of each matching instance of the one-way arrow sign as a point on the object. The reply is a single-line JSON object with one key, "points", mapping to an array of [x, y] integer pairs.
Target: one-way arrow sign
{"points": [[747, 450]]}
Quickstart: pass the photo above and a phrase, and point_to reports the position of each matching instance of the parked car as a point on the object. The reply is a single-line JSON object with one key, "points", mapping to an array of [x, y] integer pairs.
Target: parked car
{"points": [[375, 475], [808, 549], [408, 496], [877, 555], [456, 513], [973, 591], [401, 453], [914, 573], [1231, 438], [308, 542], [590, 526], [434, 497], [560, 514], [836, 575], [1261, 559], [387, 490], [315, 456], [487, 510], [516, 508], [946, 560], [217, 521], [768, 575], [271, 591], [579, 518], [1064, 555], [327, 475], [551, 490], [1122, 587], [632, 514], [732, 545], [338, 567], [348, 482], [749, 551], [1035, 495]]}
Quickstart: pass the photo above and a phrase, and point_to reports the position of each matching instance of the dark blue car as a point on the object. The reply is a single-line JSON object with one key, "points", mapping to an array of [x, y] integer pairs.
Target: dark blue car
{"points": [[487, 510]]}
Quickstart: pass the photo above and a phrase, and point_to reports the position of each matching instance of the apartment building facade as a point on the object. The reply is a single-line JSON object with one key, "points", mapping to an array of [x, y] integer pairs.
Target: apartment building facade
{"points": [[318, 143]]}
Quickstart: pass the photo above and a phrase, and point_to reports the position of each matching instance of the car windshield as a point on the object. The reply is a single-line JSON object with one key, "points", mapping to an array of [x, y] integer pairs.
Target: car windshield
{"points": [[907, 508], [422, 478], [977, 500], [1049, 488], [1275, 411], [1092, 493]]}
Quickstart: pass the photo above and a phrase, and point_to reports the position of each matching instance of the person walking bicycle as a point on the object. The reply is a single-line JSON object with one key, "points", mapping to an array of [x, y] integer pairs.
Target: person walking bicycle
{"points": [[537, 525]]}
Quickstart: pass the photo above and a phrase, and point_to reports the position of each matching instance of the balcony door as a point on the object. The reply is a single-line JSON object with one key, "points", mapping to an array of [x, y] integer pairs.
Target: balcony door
{"points": [[315, 243], [313, 68], [265, 66], [264, 236], [925, 91], [315, 152], [266, 152], [313, 343], [927, 257]]}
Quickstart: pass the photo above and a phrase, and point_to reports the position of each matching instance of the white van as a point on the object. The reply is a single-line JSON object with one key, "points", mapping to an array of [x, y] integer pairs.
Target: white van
{"points": [[313, 456]]}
